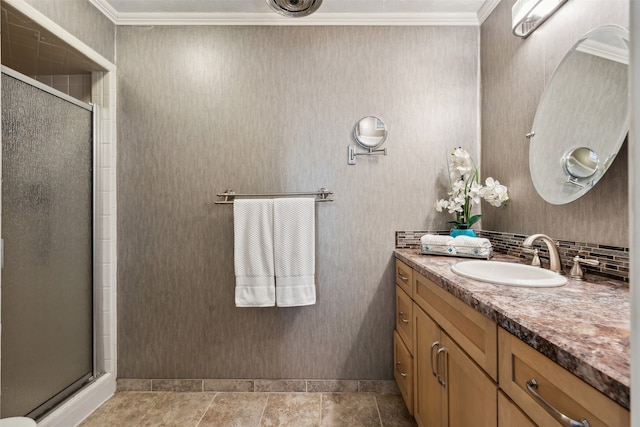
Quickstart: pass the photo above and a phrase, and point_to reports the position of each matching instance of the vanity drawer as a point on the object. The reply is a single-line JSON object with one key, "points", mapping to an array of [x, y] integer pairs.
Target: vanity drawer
{"points": [[403, 371], [404, 314], [404, 275], [475, 333], [567, 393]]}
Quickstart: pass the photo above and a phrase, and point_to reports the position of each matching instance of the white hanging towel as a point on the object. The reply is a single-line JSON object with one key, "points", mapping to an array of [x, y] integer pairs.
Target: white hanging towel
{"points": [[294, 228], [253, 252]]}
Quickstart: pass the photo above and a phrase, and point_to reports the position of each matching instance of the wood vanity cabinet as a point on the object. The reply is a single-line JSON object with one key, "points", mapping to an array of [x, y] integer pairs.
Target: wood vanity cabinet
{"points": [[404, 276], [568, 394], [473, 332], [403, 335], [448, 359], [450, 387], [509, 415]]}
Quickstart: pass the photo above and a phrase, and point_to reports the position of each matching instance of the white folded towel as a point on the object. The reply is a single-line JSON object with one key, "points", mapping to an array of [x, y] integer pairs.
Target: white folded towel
{"points": [[439, 244], [472, 246], [253, 252], [294, 251]]}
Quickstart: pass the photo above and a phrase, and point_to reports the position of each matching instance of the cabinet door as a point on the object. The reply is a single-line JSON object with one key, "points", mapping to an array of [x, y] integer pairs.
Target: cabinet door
{"points": [[428, 395], [475, 333], [509, 415], [472, 396]]}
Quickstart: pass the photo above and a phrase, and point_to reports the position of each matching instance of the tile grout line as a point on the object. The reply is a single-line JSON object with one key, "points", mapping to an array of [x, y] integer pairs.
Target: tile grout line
{"points": [[375, 399], [207, 410], [264, 409]]}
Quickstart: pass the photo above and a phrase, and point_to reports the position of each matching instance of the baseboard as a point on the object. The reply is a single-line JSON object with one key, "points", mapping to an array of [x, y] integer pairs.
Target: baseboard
{"points": [[258, 385]]}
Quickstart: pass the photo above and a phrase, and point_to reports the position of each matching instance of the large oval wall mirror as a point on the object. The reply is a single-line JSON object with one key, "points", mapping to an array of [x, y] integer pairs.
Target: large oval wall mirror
{"points": [[583, 116]]}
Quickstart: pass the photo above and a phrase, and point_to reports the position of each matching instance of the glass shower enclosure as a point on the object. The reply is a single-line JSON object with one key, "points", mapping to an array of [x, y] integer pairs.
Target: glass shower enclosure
{"points": [[47, 349]]}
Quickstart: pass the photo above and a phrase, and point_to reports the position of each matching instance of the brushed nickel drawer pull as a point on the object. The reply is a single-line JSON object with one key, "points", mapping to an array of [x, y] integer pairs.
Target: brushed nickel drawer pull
{"points": [[401, 373], [434, 345], [532, 386], [403, 277], [441, 379], [402, 318]]}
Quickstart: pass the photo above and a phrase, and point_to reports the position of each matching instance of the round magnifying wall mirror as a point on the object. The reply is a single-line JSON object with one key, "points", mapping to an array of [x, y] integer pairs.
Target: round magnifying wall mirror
{"points": [[583, 116], [370, 132], [581, 163]]}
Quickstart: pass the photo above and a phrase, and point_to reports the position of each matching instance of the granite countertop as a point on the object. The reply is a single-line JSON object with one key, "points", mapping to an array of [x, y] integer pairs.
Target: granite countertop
{"points": [[583, 326]]}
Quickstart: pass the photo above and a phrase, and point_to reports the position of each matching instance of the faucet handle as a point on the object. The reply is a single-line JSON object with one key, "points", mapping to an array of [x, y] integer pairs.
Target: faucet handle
{"points": [[536, 258], [576, 270]]}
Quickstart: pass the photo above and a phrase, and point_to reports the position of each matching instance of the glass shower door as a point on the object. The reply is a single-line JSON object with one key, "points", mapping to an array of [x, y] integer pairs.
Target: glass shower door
{"points": [[47, 228]]}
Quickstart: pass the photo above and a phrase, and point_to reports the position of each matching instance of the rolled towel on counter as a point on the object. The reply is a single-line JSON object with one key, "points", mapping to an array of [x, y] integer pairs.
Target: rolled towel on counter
{"points": [[477, 246], [437, 244]]}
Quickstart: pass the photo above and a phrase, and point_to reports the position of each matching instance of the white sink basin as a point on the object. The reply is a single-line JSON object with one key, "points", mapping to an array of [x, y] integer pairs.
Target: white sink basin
{"points": [[510, 274]]}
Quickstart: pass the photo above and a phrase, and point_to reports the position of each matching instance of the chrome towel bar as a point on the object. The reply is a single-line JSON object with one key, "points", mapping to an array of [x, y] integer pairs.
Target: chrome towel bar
{"points": [[322, 195]]}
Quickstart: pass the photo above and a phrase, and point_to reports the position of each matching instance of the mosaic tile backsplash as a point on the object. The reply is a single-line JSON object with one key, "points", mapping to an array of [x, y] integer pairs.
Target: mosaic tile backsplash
{"points": [[614, 260]]}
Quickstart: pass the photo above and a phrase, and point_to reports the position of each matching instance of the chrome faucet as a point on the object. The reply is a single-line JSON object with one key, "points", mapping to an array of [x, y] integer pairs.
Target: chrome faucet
{"points": [[554, 256]]}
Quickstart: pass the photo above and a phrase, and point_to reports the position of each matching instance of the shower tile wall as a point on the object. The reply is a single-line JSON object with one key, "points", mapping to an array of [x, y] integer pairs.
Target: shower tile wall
{"points": [[103, 93], [78, 86], [514, 73], [262, 109]]}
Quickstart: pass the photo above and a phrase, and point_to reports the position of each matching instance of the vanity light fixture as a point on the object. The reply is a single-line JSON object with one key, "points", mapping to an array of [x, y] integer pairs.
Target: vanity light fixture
{"points": [[527, 15]]}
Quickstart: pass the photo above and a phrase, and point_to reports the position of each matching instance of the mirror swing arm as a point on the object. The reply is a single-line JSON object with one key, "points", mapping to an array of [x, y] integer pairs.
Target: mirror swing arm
{"points": [[370, 133], [353, 153]]}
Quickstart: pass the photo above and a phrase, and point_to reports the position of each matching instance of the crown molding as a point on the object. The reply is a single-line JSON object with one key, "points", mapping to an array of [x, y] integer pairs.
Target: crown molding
{"points": [[318, 18], [106, 9], [486, 9]]}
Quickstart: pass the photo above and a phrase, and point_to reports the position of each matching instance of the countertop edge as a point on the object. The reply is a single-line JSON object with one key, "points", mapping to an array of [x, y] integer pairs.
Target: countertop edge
{"points": [[599, 380]]}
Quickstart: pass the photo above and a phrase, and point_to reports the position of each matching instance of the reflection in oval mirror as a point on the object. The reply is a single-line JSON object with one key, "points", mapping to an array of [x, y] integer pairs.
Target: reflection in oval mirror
{"points": [[370, 132], [584, 105], [581, 163]]}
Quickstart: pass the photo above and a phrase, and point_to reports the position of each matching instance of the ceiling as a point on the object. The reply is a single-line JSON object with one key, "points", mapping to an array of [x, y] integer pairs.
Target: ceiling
{"points": [[331, 12], [32, 50]]}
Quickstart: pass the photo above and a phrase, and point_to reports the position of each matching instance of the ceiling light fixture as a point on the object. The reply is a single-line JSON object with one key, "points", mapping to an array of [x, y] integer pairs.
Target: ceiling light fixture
{"points": [[527, 15], [294, 8]]}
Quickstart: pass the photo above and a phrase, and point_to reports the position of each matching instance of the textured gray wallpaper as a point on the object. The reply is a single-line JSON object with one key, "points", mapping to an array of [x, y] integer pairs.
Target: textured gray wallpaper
{"points": [[261, 109], [514, 73]]}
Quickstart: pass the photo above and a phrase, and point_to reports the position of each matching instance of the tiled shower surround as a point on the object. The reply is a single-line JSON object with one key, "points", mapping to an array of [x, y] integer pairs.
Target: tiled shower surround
{"points": [[614, 260]]}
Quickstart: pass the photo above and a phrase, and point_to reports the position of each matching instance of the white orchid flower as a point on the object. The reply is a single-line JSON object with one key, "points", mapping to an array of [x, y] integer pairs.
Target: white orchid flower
{"points": [[466, 189]]}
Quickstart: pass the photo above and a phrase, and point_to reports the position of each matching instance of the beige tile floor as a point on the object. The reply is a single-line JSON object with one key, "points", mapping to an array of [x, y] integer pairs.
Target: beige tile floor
{"points": [[185, 409]]}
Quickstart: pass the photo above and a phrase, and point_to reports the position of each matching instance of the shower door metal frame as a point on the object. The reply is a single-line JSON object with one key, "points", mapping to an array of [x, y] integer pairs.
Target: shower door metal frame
{"points": [[64, 394]]}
